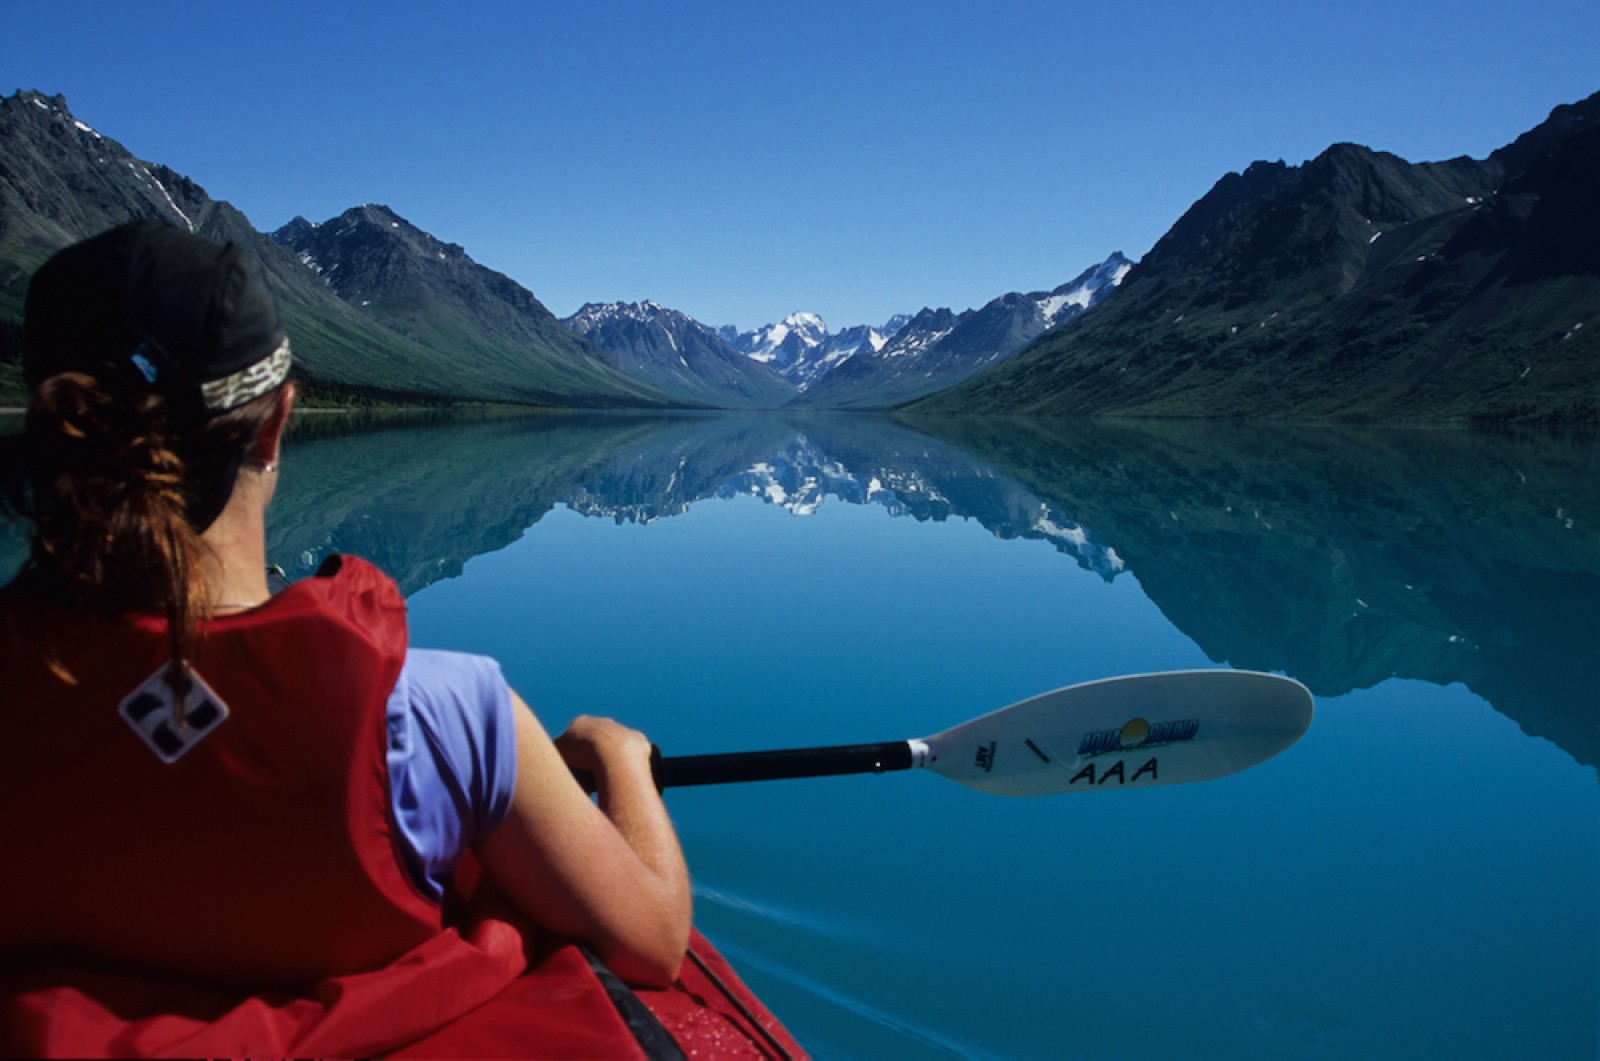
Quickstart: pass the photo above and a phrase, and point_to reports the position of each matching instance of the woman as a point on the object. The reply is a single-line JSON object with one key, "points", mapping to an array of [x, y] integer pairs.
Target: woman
{"points": [[241, 818]]}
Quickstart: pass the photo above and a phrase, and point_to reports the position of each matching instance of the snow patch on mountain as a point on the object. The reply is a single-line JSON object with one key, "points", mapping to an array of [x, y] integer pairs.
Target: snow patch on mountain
{"points": [[594, 315], [1068, 300], [783, 343]]}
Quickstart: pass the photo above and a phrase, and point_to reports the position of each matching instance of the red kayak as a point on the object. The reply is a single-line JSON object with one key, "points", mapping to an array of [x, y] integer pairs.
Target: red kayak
{"points": [[552, 1011], [561, 1005]]}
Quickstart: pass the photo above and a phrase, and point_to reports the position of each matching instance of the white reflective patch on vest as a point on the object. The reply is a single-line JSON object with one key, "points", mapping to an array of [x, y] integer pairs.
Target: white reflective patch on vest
{"points": [[148, 710]]}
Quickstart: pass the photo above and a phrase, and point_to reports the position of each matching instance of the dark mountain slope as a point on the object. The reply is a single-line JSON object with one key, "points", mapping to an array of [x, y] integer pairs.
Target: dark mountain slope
{"points": [[62, 181], [433, 294], [1355, 286]]}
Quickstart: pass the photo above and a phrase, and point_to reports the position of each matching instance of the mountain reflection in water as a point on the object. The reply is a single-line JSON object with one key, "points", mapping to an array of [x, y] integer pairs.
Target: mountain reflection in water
{"points": [[1340, 556]]}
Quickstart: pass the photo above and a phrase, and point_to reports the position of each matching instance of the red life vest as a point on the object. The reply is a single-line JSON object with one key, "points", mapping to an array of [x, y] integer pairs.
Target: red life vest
{"points": [[248, 895], [281, 809]]}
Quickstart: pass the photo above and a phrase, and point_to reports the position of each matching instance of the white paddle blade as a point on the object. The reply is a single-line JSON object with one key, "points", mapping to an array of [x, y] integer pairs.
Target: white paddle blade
{"points": [[1129, 732]]}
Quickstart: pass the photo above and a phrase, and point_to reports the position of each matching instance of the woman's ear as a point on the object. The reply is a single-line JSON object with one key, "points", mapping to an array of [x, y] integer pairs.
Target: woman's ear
{"points": [[270, 441]]}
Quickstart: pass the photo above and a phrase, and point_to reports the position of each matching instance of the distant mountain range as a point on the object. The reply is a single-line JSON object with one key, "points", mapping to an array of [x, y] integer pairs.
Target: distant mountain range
{"points": [[802, 349], [1356, 286], [798, 362], [937, 349], [862, 367]]}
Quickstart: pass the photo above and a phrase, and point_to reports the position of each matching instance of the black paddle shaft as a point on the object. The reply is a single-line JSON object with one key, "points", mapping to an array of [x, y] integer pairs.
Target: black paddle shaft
{"points": [[678, 771], [681, 771]]}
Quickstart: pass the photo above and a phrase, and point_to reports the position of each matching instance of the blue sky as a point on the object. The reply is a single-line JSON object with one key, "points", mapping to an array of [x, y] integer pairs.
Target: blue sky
{"points": [[740, 161]]}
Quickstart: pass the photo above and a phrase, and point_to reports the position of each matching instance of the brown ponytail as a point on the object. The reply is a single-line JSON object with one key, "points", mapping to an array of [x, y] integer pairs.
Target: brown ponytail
{"points": [[119, 489]]}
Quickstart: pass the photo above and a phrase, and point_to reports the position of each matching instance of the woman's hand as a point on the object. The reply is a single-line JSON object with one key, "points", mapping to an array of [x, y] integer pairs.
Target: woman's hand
{"points": [[610, 873], [598, 745]]}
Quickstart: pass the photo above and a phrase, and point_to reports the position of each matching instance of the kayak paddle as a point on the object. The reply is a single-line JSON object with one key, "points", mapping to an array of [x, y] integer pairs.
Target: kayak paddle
{"points": [[1129, 732]]}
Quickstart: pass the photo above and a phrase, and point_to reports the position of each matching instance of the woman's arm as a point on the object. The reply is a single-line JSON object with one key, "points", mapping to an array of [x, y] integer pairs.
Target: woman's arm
{"points": [[610, 875]]}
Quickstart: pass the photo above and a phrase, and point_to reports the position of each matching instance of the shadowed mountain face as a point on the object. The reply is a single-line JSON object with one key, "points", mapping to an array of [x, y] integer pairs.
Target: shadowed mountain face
{"points": [[1340, 556], [62, 181], [478, 320], [1356, 286], [678, 354]]}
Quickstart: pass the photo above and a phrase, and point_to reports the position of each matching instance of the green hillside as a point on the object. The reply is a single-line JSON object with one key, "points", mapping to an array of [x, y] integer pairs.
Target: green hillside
{"points": [[62, 181]]}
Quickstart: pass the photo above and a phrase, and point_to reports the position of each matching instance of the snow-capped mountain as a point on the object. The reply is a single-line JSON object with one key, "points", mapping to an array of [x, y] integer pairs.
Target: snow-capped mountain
{"points": [[1071, 299], [923, 332], [802, 349], [784, 343], [938, 348], [678, 354], [861, 339]]}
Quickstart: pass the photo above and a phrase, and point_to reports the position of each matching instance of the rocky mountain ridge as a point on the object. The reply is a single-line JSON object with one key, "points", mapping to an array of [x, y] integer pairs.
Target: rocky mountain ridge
{"points": [[862, 367], [937, 349], [678, 354], [434, 294]]}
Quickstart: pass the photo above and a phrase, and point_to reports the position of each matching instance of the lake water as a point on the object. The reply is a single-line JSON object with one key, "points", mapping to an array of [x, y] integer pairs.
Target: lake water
{"points": [[1418, 876]]}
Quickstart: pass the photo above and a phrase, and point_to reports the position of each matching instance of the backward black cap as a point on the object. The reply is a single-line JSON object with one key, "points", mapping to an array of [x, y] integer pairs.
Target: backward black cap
{"points": [[147, 306]]}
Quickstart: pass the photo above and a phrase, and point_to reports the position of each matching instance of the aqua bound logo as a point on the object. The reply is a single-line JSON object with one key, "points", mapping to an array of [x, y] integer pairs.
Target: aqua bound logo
{"points": [[1137, 734]]}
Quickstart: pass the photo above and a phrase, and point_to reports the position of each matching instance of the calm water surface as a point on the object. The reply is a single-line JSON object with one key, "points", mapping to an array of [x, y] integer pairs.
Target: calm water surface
{"points": [[1418, 876]]}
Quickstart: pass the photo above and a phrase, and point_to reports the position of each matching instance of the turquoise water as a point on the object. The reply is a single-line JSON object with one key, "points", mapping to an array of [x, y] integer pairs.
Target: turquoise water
{"points": [[1418, 876]]}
